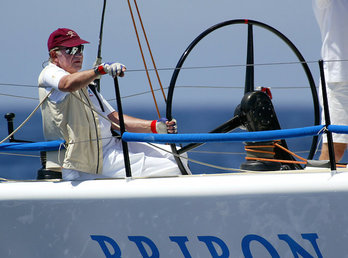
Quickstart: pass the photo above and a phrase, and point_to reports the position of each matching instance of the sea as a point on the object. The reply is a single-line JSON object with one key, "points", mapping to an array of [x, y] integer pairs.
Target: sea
{"points": [[206, 159]]}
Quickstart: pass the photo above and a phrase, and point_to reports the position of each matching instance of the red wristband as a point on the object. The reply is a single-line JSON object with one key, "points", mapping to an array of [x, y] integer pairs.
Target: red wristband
{"points": [[153, 126], [101, 69]]}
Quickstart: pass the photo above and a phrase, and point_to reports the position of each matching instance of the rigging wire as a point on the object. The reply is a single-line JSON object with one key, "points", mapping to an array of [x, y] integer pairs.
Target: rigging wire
{"points": [[258, 149], [17, 96], [196, 161], [178, 86], [27, 119], [99, 57], [18, 85], [150, 52], [143, 57], [18, 154], [215, 87], [205, 67], [180, 156], [232, 65], [192, 68]]}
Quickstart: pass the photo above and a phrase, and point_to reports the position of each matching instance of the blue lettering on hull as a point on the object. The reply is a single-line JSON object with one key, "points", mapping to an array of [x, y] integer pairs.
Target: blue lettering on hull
{"points": [[216, 246]]}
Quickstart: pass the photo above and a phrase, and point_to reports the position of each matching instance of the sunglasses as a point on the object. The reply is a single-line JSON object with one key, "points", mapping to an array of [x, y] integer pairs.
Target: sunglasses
{"points": [[73, 50]]}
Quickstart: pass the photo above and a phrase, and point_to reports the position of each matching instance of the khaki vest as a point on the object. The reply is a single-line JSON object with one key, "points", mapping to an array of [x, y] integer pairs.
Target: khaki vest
{"points": [[78, 125]]}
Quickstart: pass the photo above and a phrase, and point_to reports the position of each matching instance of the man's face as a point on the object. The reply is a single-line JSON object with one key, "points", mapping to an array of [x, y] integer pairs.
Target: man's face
{"points": [[71, 63]]}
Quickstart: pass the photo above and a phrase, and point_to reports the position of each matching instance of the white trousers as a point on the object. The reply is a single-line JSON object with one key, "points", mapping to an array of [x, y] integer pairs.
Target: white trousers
{"points": [[145, 160]]}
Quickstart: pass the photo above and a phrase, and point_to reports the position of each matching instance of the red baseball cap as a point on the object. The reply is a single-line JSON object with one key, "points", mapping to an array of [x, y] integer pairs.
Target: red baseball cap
{"points": [[64, 37]]}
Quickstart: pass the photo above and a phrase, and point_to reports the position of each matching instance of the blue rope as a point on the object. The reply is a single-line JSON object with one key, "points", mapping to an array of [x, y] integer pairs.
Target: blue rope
{"points": [[338, 129], [32, 146], [225, 137], [189, 138]]}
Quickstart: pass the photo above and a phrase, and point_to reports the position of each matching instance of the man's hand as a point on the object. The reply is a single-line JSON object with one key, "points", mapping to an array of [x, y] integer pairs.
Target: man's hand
{"points": [[163, 126], [113, 69]]}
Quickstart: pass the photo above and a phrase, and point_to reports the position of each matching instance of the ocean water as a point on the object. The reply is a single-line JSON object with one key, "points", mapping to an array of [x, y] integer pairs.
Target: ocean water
{"points": [[195, 120]]}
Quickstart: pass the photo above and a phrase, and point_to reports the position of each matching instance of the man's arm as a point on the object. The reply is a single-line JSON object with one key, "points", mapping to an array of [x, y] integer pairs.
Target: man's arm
{"points": [[137, 125], [132, 124], [75, 81]]}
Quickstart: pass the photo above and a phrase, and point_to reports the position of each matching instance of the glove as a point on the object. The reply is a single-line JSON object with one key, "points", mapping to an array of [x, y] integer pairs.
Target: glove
{"points": [[163, 126], [113, 69]]}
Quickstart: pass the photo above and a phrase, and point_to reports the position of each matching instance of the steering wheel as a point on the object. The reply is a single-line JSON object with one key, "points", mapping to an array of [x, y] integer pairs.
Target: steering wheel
{"points": [[249, 81]]}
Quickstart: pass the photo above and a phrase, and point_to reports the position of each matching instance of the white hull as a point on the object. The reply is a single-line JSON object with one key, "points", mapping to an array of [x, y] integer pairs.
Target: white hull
{"points": [[231, 215]]}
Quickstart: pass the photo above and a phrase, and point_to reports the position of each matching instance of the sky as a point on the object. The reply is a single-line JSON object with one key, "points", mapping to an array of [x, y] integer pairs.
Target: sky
{"points": [[170, 27], [214, 73]]}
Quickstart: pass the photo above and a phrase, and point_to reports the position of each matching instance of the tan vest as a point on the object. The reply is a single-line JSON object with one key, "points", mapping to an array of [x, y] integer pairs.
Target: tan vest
{"points": [[78, 125]]}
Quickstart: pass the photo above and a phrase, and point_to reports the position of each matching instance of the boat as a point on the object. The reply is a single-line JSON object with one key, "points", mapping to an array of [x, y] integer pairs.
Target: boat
{"points": [[264, 209]]}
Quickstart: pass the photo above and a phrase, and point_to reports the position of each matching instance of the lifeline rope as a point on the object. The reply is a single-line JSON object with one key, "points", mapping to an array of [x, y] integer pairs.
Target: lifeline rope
{"points": [[77, 97], [257, 152], [21, 155], [249, 148], [27, 119], [42, 101], [86, 104], [177, 87], [196, 161], [262, 155]]}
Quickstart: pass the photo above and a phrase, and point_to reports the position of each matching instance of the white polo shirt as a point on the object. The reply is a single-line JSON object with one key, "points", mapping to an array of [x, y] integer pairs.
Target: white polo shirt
{"points": [[50, 78]]}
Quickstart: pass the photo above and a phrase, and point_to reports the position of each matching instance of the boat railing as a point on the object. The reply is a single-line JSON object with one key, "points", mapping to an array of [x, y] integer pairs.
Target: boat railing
{"points": [[258, 136], [230, 137], [184, 138]]}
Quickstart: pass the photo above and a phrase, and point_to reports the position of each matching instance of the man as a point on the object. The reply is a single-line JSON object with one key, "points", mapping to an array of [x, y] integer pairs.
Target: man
{"points": [[332, 18], [76, 112]]}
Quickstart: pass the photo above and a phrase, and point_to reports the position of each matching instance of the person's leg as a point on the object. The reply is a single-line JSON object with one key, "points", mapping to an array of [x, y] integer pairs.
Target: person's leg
{"points": [[159, 160], [339, 151], [337, 94]]}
